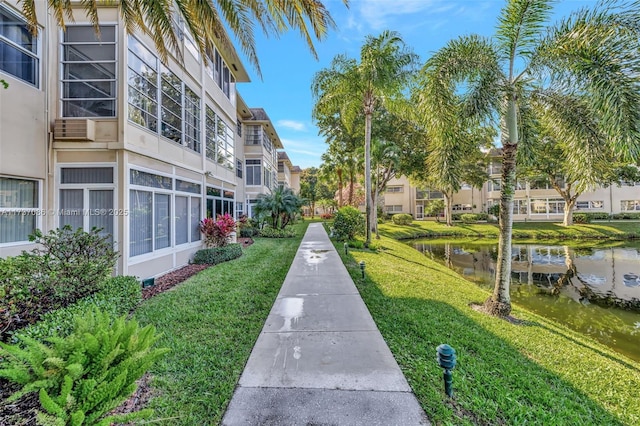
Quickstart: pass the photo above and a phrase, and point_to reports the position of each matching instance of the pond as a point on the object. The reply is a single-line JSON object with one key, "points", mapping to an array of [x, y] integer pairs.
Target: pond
{"points": [[595, 291]]}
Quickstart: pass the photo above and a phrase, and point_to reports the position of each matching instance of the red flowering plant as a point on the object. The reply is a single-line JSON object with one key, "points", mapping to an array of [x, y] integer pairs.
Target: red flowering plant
{"points": [[216, 231]]}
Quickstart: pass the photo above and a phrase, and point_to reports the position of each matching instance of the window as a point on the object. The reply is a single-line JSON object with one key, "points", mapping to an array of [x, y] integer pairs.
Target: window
{"points": [[191, 120], [253, 135], [629, 205], [219, 140], [520, 207], [171, 87], [220, 202], [158, 211], [239, 127], [589, 205], [397, 189], [494, 185], [19, 209], [393, 209], [188, 212], [426, 194], [86, 199], [239, 168], [89, 72], [143, 86], [254, 172], [546, 206], [18, 48], [179, 112]]}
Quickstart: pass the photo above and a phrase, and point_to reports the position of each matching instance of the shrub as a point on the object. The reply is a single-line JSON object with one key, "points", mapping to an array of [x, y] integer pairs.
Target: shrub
{"points": [[402, 219], [216, 232], [468, 218], [626, 216], [247, 227], [66, 266], [581, 218], [348, 223], [597, 215], [215, 255], [119, 296], [326, 216], [269, 232], [494, 210], [82, 377]]}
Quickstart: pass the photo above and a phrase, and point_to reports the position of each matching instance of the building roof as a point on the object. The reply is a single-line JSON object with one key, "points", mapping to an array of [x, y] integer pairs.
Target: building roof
{"points": [[259, 116]]}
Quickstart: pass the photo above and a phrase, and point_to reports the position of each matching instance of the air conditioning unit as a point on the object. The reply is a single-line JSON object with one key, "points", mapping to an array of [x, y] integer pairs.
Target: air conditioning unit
{"points": [[74, 130]]}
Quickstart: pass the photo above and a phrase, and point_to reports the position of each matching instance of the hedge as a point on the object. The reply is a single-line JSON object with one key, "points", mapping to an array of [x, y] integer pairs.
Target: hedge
{"points": [[277, 233], [117, 297], [215, 255]]}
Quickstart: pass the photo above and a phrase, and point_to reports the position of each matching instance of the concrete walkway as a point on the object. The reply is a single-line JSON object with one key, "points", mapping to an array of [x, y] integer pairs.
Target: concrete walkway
{"points": [[320, 359]]}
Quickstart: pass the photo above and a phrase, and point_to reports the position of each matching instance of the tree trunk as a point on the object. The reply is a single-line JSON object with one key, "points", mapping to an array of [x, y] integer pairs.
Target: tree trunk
{"points": [[367, 168], [499, 303], [448, 208], [568, 211], [374, 220], [351, 184], [339, 173]]}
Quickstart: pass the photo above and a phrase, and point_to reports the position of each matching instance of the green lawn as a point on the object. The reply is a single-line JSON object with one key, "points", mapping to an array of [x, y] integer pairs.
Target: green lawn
{"points": [[521, 230], [211, 322], [537, 372]]}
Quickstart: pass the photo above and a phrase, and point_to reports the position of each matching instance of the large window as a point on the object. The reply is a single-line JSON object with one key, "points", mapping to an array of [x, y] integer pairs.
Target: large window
{"points": [[163, 212], [395, 188], [393, 208], [629, 205], [546, 206], [219, 140], [19, 209], [191, 120], [150, 84], [86, 199], [171, 87], [221, 74], [589, 205], [18, 48], [253, 171], [143, 85], [89, 72], [520, 207], [220, 201]]}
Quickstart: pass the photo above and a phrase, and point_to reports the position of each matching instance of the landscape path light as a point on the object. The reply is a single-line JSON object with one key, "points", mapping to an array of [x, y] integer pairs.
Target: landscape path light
{"points": [[447, 361]]}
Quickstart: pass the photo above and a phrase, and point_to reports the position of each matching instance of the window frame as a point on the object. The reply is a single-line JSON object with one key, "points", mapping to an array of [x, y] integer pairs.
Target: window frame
{"points": [[87, 187], [114, 81], [37, 211], [35, 41]]}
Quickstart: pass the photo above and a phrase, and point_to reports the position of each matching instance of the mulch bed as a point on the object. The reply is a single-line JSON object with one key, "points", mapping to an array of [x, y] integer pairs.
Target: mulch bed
{"points": [[23, 412]]}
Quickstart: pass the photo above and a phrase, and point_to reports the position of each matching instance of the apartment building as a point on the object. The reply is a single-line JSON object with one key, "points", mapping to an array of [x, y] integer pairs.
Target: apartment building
{"points": [[288, 174], [533, 200], [97, 131]]}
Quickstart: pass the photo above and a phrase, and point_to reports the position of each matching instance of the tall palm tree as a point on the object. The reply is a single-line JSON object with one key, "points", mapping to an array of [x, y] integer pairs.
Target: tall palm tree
{"points": [[205, 19], [525, 73], [350, 88]]}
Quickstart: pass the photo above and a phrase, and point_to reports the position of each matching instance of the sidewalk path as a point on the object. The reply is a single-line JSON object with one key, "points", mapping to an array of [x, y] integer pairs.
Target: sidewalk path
{"points": [[320, 359]]}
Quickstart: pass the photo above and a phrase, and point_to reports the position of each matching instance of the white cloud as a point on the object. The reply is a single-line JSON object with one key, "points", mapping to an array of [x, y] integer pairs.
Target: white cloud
{"points": [[378, 14], [292, 124]]}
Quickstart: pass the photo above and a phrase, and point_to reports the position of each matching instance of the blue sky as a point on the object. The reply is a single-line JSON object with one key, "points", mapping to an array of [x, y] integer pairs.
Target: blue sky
{"points": [[288, 66]]}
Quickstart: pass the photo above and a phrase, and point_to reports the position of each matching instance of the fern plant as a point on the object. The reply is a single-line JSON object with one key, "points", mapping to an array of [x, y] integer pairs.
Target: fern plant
{"points": [[84, 376]]}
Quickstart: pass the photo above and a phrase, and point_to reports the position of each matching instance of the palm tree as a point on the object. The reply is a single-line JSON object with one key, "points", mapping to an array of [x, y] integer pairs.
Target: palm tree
{"points": [[204, 19], [350, 88], [525, 74], [280, 206]]}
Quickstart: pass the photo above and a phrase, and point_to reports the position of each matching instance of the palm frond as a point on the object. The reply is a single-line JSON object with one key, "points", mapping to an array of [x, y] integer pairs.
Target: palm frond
{"points": [[594, 53], [519, 26]]}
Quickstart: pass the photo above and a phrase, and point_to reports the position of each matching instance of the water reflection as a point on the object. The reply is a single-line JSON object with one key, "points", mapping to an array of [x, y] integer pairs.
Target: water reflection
{"points": [[593, 290]]}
